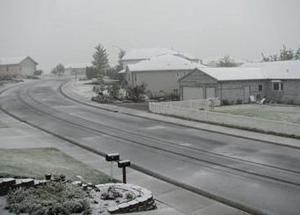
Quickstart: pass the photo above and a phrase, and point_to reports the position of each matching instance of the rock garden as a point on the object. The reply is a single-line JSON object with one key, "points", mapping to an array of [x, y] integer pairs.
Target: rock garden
{"points": [[57, 195]]}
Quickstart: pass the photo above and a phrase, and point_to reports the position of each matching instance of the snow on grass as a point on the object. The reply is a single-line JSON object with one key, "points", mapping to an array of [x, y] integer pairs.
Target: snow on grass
{"points": [[272, 112]]}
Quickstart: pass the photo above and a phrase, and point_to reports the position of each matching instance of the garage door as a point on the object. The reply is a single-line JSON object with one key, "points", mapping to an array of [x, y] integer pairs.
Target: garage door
{"points": [[192, 93], [210, 92]]}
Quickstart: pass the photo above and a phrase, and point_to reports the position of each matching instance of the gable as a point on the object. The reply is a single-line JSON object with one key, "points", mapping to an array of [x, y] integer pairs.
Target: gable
{"points": [[197, 77]]}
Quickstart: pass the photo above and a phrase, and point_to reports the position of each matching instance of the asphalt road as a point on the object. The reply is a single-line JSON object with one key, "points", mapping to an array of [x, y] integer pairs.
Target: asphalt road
{"points": [[253, 174]]}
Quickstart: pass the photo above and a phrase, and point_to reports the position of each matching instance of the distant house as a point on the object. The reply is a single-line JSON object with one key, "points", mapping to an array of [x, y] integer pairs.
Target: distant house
{"points": [[76, 69], [277, 81], [17, 66], [160, 74], [137, 55]]}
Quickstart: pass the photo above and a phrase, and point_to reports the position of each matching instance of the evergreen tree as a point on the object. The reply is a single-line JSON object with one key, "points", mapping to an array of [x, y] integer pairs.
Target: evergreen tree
{"points": [[100, 61]]}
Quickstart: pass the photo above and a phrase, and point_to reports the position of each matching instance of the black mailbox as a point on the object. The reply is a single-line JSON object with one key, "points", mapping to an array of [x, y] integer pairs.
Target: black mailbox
{"points": [[123, 163], [112, 157]]}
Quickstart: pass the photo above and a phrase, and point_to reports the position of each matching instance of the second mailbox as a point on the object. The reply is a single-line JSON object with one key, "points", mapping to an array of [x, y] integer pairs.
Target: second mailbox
{"points": [[123, 163], [112, 157]]}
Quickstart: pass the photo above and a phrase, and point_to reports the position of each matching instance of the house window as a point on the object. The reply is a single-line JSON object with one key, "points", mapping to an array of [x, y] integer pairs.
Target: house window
{"points": [[277, 86], [260, 88]]}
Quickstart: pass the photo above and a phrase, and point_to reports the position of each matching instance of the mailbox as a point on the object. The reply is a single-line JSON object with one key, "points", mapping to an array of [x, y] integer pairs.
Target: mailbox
{"points": [[112, 157], [123, 163]]}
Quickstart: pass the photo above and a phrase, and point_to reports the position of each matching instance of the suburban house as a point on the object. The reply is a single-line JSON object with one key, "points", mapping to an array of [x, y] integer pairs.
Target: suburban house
{"points": [[76, 69], [137, 55], [17, 66], [160, 74], [276, 81], [158, 68]]}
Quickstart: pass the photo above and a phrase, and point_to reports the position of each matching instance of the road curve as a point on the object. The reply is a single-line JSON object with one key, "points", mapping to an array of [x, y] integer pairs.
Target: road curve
{"points": [[244, 173]]}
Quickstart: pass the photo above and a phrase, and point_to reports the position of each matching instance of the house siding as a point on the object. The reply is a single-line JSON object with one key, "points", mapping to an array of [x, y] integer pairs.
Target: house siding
{"points": [[157, 81], [290, 93], [26, 67], [239, 91]]}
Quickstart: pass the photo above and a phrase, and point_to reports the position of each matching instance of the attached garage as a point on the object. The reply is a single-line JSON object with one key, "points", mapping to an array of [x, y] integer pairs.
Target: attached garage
{"points": [[190, 93]]}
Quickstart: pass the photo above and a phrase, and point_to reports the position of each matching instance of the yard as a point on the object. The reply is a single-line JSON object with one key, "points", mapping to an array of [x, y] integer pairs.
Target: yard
{"points": [[38, 162], [287, 113]]}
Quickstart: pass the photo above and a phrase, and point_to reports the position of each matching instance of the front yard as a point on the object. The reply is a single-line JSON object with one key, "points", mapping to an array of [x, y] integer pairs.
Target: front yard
{"points": [[37, 162], [286, 113]]}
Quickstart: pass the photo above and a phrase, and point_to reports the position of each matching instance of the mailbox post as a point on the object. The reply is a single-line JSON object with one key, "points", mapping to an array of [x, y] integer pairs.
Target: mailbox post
{"points": [[112, 157], [123, 164]]}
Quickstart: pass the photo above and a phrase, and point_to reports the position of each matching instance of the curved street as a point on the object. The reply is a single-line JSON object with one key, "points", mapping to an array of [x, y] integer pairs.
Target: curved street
{"points": [[241, 172]]}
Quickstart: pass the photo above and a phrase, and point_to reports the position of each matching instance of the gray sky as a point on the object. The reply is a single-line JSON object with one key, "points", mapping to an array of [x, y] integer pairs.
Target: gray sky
{"points": [[66, 31]]}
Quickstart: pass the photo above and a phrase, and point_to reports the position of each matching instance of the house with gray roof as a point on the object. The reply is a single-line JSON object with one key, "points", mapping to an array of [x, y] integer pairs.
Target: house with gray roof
{"points": [[276, 81], [17, 66], [160, 74]]}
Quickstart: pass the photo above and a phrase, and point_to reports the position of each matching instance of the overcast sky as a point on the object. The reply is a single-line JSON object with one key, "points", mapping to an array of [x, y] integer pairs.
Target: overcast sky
{"points": [[66, 31]]}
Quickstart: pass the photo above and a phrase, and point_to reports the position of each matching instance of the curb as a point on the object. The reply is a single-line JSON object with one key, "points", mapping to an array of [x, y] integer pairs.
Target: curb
{"points": [[174, 123]]}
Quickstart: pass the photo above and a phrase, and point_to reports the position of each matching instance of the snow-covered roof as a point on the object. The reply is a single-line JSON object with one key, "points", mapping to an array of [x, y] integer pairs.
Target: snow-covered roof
{"points": [[233, 73], [13, 60], [256, 71], [289, 69], [146, 53], [77, 65], [164, 62]]}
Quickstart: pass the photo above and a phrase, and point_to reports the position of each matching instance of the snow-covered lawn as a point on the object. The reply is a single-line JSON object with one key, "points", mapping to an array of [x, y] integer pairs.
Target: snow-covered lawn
{"points": [[83, 89], [287, 113]]}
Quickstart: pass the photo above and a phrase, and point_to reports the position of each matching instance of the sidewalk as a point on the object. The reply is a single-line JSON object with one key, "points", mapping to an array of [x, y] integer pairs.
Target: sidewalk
{"points": [[70, 90], [171, 200]]}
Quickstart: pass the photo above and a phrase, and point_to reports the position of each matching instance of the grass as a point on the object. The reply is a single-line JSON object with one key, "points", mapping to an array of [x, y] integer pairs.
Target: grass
{"points": [[39, 161], [288, 114]]}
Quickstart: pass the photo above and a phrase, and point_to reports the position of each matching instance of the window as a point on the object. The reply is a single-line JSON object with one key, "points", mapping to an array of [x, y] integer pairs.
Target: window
{"points": [[260, 88], [277, 86]]}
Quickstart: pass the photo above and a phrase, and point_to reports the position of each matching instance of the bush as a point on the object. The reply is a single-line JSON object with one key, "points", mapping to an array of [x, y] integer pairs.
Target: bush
{"points": [[50, 199], [136, 93], [239, 101], [225, 102]]}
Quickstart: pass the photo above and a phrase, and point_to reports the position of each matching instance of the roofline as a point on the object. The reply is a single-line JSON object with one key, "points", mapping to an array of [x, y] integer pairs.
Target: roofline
{"points": [[132, 59], [197, 70], [157, 70], [30, 59], [263, 79], [13, 64]]}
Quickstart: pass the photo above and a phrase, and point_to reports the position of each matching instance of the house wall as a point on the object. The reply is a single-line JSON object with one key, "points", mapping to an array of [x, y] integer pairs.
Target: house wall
{"points": [[290, 93], [157, 81], [232, 91], [9, 70], [199, 79], [240, 91], [27, 67]]}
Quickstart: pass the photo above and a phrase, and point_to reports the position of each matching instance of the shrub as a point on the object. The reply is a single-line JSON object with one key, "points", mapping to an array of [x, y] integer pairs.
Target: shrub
{"points": [[239, 101], [136, 93], [225, 102], [52, 198]]}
